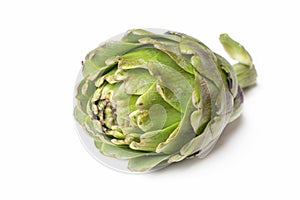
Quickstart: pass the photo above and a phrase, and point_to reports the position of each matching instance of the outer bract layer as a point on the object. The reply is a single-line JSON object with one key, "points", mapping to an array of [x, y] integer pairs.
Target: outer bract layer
{"points": [[155, 99]]}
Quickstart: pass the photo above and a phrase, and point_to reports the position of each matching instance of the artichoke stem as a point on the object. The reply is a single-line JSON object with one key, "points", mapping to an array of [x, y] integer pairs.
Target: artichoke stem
{"points": [[246, 75]]}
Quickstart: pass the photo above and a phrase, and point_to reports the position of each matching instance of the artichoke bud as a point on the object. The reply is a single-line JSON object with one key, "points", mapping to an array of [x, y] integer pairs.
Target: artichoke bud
{"points": [[155, 99]]}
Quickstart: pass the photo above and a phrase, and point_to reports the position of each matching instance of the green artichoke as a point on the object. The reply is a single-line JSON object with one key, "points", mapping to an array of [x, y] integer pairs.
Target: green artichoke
{"points": [[155, 99]]}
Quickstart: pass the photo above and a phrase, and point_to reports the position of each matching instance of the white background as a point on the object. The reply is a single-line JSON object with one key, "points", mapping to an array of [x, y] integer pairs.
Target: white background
{"points": [[42, 44]]}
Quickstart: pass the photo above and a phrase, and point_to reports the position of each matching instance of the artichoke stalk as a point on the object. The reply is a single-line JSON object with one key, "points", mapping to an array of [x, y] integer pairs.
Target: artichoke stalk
{"points": [[155, 99]]}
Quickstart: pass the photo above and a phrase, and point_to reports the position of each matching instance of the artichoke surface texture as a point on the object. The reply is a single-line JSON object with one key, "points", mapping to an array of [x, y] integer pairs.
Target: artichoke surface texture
{"points": [[155, 99]]}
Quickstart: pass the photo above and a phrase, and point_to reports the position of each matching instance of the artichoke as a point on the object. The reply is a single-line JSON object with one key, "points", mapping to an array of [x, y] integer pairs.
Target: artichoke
{"points": [[155, 99]]}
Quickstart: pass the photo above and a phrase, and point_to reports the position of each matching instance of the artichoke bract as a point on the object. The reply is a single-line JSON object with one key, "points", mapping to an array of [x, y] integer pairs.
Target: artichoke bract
{"points": [[155, 99]]}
